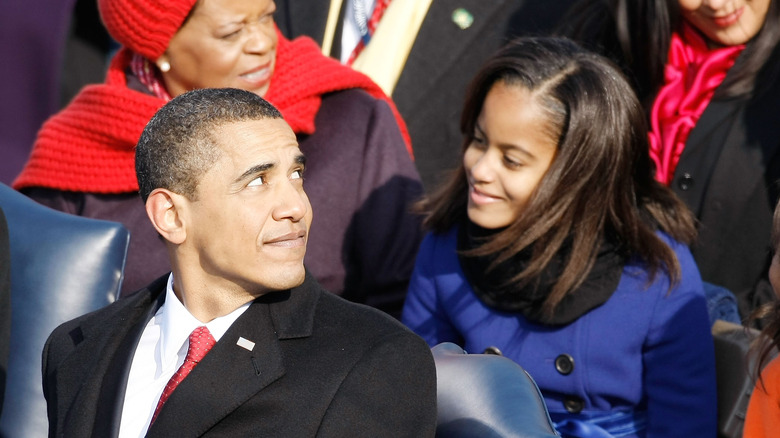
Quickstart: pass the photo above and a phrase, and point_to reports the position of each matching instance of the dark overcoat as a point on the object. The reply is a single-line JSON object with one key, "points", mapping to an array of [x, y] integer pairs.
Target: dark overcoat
{"points": [[321, 366]]}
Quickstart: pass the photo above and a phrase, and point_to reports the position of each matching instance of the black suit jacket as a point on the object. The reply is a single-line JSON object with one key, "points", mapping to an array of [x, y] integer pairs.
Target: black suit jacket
{"points": [[321, 366], [429, 93]]}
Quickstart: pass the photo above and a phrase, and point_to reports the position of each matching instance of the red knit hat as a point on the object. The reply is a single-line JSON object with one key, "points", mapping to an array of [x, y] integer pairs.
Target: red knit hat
{"points": [[144, 26]]}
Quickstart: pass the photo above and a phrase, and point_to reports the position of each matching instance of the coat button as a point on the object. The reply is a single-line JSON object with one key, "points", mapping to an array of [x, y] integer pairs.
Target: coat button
{"points": [[573, 405], [564, 364], [493, 350], [685, 182]]}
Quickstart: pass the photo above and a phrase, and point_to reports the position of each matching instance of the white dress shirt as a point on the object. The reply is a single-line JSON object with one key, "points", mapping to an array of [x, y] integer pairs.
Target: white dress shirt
{"points": [[350, 33], [160, 352]]}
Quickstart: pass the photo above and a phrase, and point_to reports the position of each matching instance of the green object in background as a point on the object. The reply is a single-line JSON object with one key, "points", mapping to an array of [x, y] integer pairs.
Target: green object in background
{"points": [[462, 18]]}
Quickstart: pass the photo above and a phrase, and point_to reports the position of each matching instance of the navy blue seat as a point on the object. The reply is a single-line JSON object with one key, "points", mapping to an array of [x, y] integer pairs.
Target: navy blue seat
{"points": [[62, 266], [485, 395]]}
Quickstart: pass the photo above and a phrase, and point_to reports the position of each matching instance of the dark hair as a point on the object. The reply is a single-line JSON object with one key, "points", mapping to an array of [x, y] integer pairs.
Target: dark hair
{"points": [[599, 185], [769, 314], [638, 33], [177, 145]]}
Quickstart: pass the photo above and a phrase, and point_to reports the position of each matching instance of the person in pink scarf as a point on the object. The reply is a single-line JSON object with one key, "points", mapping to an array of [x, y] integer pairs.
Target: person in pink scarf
{"points": [[706, 73]]}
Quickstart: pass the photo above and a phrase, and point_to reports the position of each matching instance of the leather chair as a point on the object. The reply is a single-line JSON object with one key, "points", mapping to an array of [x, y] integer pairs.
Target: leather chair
{"points": [[485, 395], [734, 368], [62, 266]]}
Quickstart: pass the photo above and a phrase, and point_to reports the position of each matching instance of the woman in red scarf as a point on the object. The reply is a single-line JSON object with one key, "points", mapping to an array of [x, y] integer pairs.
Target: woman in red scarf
{"points": [[360, 176], [707, 72]]}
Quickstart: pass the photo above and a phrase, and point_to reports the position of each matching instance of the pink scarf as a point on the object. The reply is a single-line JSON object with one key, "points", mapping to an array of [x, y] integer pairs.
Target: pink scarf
{"points": [[692, 74]]}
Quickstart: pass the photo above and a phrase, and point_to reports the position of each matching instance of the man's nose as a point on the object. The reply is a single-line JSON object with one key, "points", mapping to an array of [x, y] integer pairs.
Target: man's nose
{"points": [[292, 203]]}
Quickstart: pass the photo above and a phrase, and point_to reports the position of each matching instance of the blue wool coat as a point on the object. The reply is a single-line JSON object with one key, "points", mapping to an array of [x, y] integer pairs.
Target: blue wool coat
{"points": [[647, 348]]}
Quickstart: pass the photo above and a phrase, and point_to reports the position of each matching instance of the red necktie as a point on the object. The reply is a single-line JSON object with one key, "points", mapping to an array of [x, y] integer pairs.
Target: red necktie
{"points": [[201, 342], [379, 9]]}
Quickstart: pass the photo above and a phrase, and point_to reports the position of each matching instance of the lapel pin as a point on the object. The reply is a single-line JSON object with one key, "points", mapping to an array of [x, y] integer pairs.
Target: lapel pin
{"points": [[245, 343], [462, 18]]}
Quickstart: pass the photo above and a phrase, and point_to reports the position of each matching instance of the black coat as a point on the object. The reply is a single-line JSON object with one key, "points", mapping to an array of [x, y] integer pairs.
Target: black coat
{"points": [[728, 175], [321, 366]]}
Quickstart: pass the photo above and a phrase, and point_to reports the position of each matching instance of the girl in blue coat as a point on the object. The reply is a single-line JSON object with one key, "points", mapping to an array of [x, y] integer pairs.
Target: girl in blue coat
{"points": [[553, 245]]}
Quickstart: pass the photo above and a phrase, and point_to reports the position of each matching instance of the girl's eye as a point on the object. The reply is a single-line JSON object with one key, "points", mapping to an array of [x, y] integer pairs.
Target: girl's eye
{"points": [[479, 142], [260, 180], [511, 163]]}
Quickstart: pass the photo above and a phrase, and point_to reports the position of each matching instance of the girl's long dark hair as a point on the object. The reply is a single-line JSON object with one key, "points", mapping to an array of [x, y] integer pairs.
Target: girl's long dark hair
{"points": [[638, 33], [600, 184], [764, 346]]}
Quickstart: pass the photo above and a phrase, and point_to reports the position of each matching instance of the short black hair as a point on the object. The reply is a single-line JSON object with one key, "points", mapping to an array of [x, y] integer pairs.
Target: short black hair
{"points": [[177, 147]]}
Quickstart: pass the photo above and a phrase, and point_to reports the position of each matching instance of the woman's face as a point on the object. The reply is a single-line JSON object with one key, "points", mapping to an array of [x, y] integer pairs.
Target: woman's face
{"points": [[225, 43], [726, 22], [508, 157]]}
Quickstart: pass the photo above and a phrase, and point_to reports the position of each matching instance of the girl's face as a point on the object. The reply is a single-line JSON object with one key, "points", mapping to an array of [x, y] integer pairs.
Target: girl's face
{"points": [[508, 157], [726, 22], [225, 43]]}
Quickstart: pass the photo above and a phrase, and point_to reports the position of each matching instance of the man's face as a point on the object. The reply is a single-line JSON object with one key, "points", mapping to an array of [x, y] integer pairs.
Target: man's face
{"points": [[249, 224]]}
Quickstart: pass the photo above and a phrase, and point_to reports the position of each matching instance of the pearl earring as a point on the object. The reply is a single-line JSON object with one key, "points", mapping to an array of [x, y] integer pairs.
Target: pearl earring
{"points": [[165, 66]]}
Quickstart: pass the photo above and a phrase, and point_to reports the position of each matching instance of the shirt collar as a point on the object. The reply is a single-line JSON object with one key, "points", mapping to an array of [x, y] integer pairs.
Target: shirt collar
{"points": [[176, 323]]}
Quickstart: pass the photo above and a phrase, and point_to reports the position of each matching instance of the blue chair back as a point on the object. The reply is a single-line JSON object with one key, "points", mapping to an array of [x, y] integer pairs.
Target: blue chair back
{"points": [[62, 266], [485, 395]]}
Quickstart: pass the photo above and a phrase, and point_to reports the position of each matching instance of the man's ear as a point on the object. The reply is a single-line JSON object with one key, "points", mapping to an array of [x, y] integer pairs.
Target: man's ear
{"points": [[165, 210]]}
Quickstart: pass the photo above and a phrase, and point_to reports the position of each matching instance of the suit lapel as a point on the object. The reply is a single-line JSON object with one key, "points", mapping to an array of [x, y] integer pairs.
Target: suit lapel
{"points": [[93, 370], [440, 44], [224, 379], [231, 374], [113, 389]]}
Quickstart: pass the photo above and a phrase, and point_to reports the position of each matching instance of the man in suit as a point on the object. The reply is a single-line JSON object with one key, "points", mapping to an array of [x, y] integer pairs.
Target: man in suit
{"points": [[221, 176], [446, 43]]}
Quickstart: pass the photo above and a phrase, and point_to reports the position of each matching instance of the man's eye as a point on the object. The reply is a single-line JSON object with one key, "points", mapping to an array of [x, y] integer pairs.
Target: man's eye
{"points": [[298, 174], [260, 180]]}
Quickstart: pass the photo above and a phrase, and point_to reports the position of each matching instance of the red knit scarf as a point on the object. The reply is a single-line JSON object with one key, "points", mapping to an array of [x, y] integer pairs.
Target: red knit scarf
{"points": [[90, 145], [692, 74]]}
